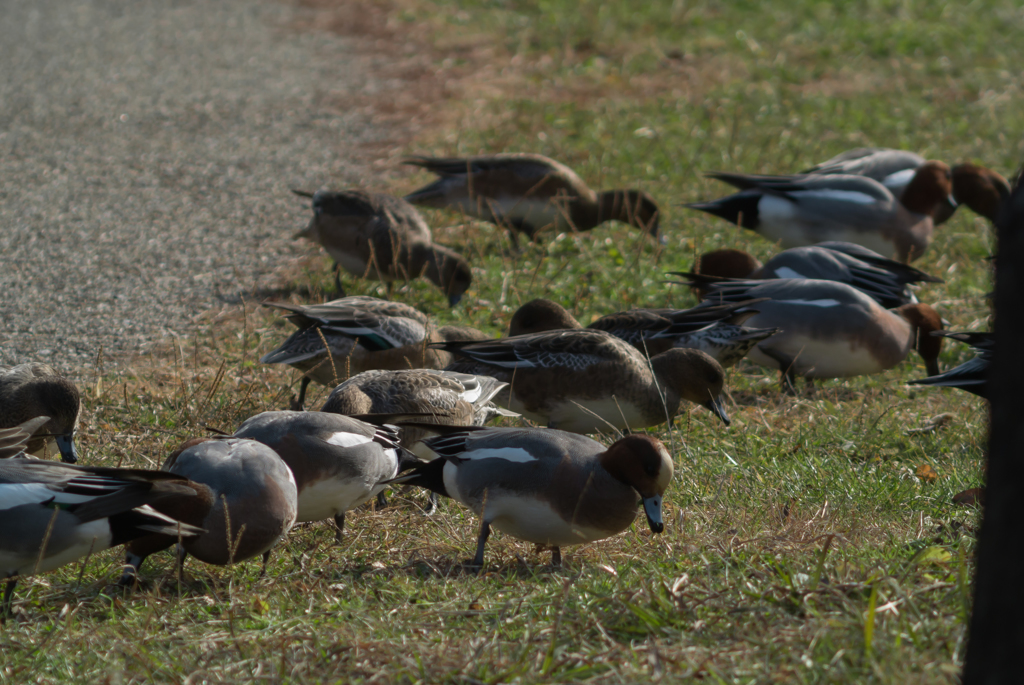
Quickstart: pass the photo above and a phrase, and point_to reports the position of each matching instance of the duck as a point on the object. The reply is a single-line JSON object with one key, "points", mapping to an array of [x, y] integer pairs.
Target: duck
{"points": [[892, 168], [246, 504], [884, 280], [527, 193], [830, 329], [431, 396], [716, 331], [54, 513], [982, 190], [727, 262], [805, 210], [546, 486], [972, 375], [586, 381], [344, 337], [338, 462], [383, 238], [34, 389]]}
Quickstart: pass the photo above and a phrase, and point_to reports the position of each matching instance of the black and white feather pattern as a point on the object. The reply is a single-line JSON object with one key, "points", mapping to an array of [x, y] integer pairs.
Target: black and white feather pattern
{"points": [[856, 189], [972, 375], [450, 447], [376, 324]]}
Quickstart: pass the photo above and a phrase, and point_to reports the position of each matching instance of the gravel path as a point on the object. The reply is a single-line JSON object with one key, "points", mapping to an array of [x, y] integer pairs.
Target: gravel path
{"points": [[147, 148]]}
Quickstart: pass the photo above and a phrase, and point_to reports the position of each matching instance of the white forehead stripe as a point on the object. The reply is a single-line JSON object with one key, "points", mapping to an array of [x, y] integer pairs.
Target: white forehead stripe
{"points": [[786, 272], [813, 303], [837, 195], [348, 439], [516, 454]]}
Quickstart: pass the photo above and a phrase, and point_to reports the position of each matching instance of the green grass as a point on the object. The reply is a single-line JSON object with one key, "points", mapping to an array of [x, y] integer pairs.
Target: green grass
{"points": [[806, 543]]}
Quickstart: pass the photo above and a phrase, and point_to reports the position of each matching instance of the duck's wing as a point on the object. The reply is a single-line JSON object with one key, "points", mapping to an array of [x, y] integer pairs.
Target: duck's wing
{"points": [[904, 272], [379, 325], [503, 175], [876, 163], [576, 349], [972, 375], [858, 190], [13, 440], [90, 492]]}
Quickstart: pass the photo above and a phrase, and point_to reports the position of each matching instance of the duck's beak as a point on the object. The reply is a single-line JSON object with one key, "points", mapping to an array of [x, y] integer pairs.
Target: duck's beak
{"points": [[66, 445], [454, 299], [716, 408], [652, 507]]}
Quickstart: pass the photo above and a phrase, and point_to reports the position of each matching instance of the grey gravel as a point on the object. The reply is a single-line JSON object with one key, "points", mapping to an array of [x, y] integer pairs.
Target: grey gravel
{"points": [[147, 149]]}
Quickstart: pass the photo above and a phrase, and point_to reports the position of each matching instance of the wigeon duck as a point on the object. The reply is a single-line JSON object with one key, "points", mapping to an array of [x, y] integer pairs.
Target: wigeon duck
{"points": [[981, 189], [884, 280], [831, 330], [14, 441], [33, 389], [724, 263], [52, 514], [972, 375], [727, 263], [804, 210], [527, 192], [383, 238], [585, 381], [354, 334], [547, 486], [437, 397], [241, 483], [717, 331], [428, 396], [338, 462], [892, 168]]}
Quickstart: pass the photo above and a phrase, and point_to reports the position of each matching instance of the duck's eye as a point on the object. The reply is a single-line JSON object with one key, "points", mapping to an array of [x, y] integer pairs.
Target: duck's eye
{"points": [[652, 471]]}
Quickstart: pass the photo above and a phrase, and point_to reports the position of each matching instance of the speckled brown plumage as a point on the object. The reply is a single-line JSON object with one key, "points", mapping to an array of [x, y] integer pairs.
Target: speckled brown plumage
{"points": [[587, 381], [34, 389], [383, 238], [445, 398], [362, 333]]}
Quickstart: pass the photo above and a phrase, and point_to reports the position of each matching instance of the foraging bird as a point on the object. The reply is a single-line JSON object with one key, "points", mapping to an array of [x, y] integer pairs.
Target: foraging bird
{"points": [[806, 210], [831, 330], [339, 339], [437, 397], [726, 263], [527, 193], [892, 168], [247, 501], [33, 389], [338, 462], [972, 375], [884, 280], [383, 238], [585, 381], [52, 514], [716, 331], [981, 189], [547, 486]]}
